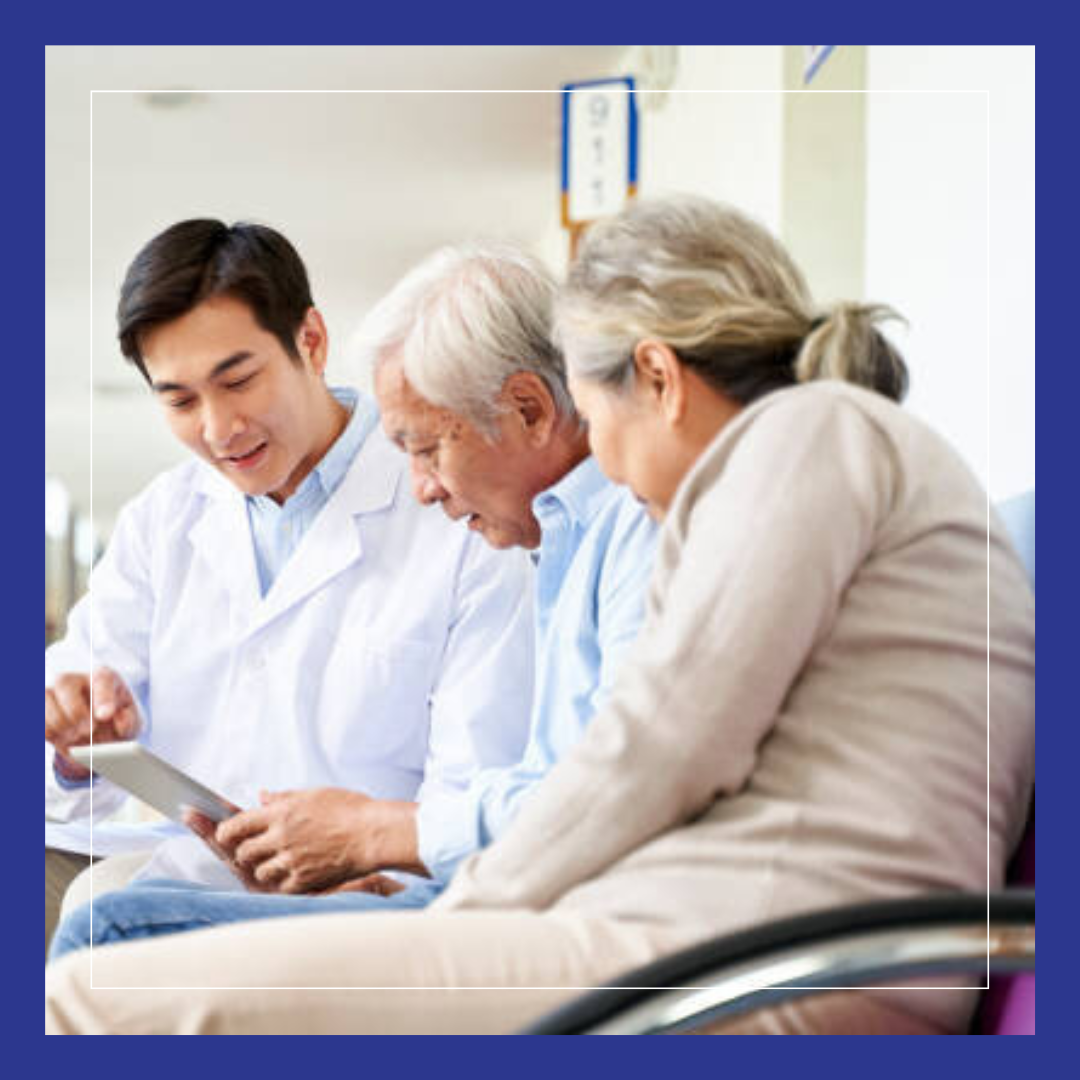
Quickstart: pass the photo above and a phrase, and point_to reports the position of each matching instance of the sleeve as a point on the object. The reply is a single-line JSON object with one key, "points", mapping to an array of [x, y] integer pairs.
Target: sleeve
{"points": [[454, 824], [110, 627], [481, 701], [768, 551]]}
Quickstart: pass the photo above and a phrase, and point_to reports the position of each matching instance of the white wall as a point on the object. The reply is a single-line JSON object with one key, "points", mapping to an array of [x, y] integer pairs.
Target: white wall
{"points": [[719, 131], [716, 131], [948, 231], [823, 216], [950, 241], [365, 184]]}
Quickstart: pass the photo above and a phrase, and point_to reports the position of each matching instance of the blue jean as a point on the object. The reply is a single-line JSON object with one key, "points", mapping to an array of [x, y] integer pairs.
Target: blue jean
{"points": [[158, 906]]}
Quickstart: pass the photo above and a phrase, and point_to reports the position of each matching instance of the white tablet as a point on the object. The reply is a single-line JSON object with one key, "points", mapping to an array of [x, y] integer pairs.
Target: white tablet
{"points": [[148, 777]]}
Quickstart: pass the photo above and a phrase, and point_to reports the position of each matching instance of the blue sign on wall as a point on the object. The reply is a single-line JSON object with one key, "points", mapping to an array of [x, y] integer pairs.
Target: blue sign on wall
{"points": [[599, 148]]}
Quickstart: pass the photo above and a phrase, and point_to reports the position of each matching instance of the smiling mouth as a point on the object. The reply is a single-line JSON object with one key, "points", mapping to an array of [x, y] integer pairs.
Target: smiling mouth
{"points": [[244, 461]]}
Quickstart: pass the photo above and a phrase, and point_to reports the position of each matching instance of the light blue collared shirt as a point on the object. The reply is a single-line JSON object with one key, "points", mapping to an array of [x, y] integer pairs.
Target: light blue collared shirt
{"points": [[277, 529], [595, 559]]}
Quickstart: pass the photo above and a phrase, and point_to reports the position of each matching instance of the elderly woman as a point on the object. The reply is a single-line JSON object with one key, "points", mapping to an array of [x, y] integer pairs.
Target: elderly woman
{"points": [[803, 722]]}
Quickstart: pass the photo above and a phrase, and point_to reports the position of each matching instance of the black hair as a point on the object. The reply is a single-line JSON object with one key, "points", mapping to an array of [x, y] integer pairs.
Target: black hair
{"points": [[202, 258]]}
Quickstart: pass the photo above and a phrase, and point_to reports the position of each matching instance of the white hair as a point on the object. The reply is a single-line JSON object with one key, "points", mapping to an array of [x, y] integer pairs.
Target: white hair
{"points": [[462, 322]]}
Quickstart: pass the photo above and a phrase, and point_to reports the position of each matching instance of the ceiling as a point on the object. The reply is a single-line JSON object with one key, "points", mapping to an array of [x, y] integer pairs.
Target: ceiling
{"points": [[366, 157]]}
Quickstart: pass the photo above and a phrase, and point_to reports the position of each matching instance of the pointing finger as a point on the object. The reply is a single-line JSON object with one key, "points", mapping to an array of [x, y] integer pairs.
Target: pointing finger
{"points": [[126, 722], [71, 694], [105, 693], [61, 728], [54, 718]]}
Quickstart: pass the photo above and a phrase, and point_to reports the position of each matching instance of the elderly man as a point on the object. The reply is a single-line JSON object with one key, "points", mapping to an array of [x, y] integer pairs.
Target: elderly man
{"points": [[471, 387]]}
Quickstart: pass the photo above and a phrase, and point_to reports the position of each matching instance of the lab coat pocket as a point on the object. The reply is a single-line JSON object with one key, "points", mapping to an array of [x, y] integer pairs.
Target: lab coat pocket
{"points": [[378, 696]]}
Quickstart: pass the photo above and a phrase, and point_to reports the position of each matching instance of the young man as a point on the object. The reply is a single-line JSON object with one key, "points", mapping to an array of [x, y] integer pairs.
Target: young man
{"points": [[278, 615], [472, 388]]}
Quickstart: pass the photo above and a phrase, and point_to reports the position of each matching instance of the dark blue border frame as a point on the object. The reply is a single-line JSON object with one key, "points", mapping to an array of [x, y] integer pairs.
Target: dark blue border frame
{"points": [[126, 22]]}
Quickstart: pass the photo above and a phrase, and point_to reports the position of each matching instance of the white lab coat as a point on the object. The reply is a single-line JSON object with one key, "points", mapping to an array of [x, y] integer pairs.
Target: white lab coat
{"points": [[393, 654]]}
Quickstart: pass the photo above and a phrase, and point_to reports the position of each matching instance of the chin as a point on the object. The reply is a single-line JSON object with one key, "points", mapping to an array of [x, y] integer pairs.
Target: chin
{"points": [[252, 485], [498, 540], [249, 485], [497, 537]]}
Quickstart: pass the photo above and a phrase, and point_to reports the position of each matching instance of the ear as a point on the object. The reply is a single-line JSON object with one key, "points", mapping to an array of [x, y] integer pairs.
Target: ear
{"points": [[659, 378], [312, 341], [531, 404]]}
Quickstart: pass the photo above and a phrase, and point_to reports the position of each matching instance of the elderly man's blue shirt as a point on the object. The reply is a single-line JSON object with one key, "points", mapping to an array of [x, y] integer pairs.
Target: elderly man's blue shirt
{"points": [[593, 567]]}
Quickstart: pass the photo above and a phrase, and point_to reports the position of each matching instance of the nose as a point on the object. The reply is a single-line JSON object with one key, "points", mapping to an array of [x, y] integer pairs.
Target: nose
{"points": [[425, 484], [220, 423]]}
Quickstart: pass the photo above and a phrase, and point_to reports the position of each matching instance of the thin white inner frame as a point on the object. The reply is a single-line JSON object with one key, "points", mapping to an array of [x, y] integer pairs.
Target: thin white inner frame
{"points": [[986, 96]]}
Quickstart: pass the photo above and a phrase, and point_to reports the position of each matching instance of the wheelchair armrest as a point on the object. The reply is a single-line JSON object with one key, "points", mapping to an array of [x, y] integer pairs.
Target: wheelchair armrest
{"points": [[849, 946]]}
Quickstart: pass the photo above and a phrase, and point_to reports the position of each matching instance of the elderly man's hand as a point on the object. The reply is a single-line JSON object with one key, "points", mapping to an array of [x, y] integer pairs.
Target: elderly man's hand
{"points": [[206, 828], [313, 840], [379, 884]]}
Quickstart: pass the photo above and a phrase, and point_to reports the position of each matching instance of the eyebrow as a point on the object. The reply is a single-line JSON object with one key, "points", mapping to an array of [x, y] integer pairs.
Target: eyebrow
{"points": [[401, 436], [219, 369]]}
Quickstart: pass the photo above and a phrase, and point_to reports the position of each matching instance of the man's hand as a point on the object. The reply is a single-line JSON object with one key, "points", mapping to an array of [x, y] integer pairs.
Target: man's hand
{"points": [[79, 709], [379, 884], [205, 828], [313, 840]]}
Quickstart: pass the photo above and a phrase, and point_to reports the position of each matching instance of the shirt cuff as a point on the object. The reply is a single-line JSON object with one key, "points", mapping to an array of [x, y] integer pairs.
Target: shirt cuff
{"points": [[448, 830], [66, 784]]}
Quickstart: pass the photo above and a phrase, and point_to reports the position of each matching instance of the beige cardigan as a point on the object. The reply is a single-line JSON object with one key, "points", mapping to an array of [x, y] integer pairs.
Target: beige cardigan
{"points": [[803, 720]]}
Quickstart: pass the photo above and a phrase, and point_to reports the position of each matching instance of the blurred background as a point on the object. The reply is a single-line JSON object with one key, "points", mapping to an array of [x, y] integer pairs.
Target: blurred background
{"points": [[903, 174]]}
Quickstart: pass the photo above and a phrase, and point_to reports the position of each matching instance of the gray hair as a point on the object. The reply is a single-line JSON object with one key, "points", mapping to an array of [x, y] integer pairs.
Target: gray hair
{"points": [[724, 294], [463, 321]]}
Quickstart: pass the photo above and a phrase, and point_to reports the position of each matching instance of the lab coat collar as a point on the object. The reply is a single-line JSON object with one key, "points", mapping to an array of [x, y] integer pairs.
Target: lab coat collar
{"points": [[221, 537], [331, 544]]}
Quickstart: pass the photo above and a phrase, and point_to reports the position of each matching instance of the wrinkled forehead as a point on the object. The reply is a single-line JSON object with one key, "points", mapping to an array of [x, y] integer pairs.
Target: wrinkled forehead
{"points": [[406, 416]]}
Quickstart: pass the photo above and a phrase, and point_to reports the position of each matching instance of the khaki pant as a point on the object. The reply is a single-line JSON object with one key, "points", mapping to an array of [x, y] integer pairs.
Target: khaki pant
{"points": [[409, 972], [106, 875], [70, 881]]}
